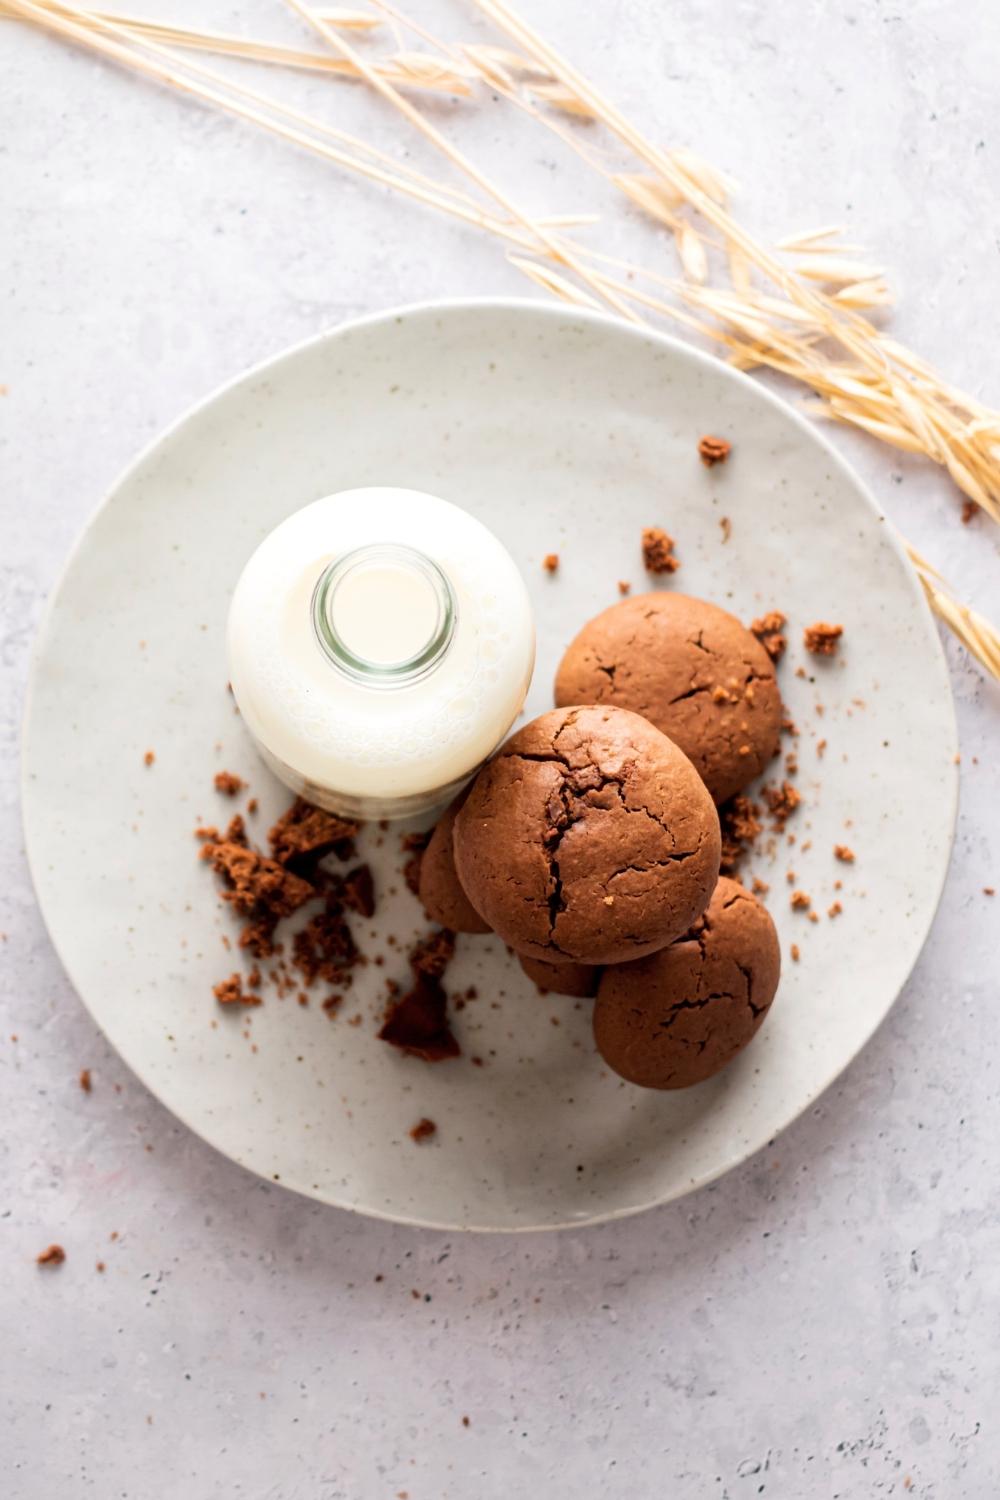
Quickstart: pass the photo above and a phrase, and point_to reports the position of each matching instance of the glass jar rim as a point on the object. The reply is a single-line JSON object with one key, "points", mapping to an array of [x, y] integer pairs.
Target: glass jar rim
{"points": [[373, 674]]}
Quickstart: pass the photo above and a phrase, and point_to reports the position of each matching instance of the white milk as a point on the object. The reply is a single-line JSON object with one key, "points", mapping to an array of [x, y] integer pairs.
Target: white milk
{"points": [[380, 646]]}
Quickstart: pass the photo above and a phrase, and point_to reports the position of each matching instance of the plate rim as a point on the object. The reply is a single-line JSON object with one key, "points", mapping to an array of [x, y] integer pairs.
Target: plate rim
{"points": [[613, 326]]}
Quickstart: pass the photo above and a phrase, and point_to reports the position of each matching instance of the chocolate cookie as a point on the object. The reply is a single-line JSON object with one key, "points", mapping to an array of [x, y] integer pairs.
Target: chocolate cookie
{"points": [[580, 980], [682, 1014], [588, 838], [439, 888], [693, 671]]}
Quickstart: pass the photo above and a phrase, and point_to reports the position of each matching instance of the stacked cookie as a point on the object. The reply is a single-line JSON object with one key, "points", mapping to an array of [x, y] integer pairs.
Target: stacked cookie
{"points": [[590, 842]]}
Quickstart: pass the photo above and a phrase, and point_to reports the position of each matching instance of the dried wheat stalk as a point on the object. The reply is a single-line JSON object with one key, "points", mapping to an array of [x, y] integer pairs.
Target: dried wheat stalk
{"points": [[414, 70], [881, 387], [784, 331]]}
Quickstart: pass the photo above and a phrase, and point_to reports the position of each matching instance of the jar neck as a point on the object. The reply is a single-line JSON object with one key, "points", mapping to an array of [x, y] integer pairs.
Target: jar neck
{"points": [[384, 615]]}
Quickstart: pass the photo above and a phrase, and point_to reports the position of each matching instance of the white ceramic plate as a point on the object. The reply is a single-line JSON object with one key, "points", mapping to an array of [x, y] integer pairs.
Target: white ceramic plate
{"points": [[565, 432]]}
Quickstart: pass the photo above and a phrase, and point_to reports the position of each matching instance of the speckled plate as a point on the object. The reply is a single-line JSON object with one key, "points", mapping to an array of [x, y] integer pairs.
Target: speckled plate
{"points": [[565, 432]]}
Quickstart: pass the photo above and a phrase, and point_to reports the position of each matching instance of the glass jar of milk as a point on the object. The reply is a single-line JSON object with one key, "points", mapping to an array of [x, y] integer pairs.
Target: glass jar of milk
{"points": [[381, 644]]}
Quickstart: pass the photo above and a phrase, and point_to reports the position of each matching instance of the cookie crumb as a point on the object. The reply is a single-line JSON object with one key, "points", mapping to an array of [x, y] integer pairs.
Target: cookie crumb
{"points": [[713, 450], [726, 527], [357, 891], [304, 834], [794, 951], [85, 1082], [414, 845], [465, 1422], [843, 853], [820, 747], [822, 639], [148, 758], [969, 508], [100, 1266], [231, 992], [423, 1130], [989, 890], [54, 1255], [760, 887], [800, 901], [782, 801], [739, 819], [252, 805], [550, 562], [657, 551], [228, 784], [768, 629], [834, 910], [417, 1024], [624, 587]]}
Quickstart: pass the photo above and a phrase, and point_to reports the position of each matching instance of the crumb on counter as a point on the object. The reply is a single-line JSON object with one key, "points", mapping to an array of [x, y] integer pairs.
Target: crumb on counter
{"points": [[834, 910], [739, 820], [726, 527], [231, 992], [800, 901], [624, 587], [713, 450], [149, 758], [550, 562], [768, 629], [414, 845], [53, 1255], [844, 854], [658, 551], [794, 951], [423, 1130], [781, 802], [822, 639], [228, 784], [84, 1080], [989, 890]]}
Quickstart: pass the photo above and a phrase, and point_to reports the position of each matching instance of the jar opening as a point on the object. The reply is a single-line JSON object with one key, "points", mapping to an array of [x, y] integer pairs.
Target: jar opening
{"points": [[384, 614]]}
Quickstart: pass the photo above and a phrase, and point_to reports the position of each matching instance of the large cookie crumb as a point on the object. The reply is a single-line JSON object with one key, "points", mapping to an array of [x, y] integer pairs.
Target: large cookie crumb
{"points": [[658, 550], [768, 630], [822, 639], [713, 450]]}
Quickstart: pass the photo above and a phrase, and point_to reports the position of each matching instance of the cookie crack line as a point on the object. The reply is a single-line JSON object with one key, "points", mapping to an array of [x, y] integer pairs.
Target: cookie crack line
{"points": [[755, 1010], [679, 1005], [644, 869], [691, 693]]}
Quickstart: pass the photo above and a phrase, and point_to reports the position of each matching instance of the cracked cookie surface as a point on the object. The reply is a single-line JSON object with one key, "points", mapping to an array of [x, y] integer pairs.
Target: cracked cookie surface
{"points": [[588, 838], [679, 1016], [693, 671]]}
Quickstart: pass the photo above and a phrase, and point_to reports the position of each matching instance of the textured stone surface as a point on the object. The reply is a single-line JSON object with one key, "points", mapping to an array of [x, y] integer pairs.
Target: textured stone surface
{"points": [[820, 1322]]}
